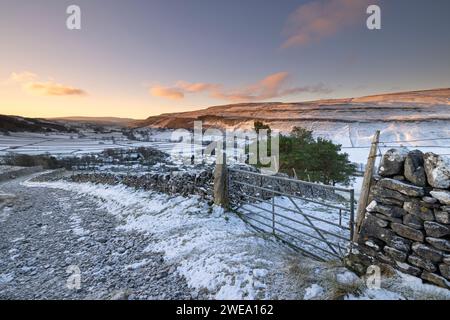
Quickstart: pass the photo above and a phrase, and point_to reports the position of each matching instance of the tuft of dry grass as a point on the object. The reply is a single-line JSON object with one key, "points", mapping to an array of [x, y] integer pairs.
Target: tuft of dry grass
{"points": [[338, 290], [300, 271]]}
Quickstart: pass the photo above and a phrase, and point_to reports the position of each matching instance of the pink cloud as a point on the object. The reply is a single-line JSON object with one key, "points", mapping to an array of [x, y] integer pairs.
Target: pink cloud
{"points": [[52, 89], [316, 20], [25, 76], [170, 93], [29, 83], [267, 88], [273, 86], [196, 87]]}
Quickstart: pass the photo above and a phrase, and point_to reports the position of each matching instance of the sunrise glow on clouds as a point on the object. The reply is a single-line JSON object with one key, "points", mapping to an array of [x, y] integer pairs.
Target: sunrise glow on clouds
{"points": [[30, 84], [317, 20], [161, 59]]}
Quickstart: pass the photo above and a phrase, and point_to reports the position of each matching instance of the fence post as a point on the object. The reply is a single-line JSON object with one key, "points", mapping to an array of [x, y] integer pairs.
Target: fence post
{"points": [[365, 189], [221, 183], [273, 213]]}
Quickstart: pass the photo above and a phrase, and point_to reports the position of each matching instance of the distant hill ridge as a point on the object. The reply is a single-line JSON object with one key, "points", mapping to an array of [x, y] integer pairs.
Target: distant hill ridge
{"points": [[424, 105], [21, 124]]}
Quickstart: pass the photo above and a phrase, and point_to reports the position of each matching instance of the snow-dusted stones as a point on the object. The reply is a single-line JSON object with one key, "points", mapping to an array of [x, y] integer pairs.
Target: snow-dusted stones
{"points": [[313, 292], [413, 221], [384, 195], [395, 254], [429, 200], [400, 243], [436, 230], [407, 268], [389, 211], [442, 216], [414, 168], [419, 209], [348, 278], [374, 244], [437, 280], [446, 259], [380, 222], [437, 169], [427, 252], [407, 232], [422, 263], [402, 198], [445, 270], [440, 244], [442, 195], [392, 162], [370, 229], [404, 188]]}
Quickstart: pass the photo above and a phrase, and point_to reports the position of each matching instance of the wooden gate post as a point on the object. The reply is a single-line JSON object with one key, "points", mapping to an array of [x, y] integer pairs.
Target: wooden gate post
{"points": [[365, 189], [221, 183]]}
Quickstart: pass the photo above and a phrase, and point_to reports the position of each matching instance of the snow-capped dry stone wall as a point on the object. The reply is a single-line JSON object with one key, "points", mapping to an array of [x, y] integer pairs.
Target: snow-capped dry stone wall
{"points": [[9, 173], [176, 182], [200, 182], [407, 221]]}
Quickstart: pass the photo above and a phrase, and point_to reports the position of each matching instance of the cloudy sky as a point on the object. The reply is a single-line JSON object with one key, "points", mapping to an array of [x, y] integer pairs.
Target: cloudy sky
{"points": [[140, 58]]}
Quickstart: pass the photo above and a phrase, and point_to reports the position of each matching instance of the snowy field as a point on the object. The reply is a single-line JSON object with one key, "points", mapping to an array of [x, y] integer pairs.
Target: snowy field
{"points": [[307, 231], [67, 145], [355, 138]]}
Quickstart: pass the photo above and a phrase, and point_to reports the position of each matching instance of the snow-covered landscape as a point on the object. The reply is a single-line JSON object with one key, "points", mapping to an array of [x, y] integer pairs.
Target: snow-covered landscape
{"points": [[232, 157], [207, 252], [136, 208]]}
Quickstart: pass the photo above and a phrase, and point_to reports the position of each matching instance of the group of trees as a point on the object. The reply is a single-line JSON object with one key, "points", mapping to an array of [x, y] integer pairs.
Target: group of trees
{"points": [[311, 159]]}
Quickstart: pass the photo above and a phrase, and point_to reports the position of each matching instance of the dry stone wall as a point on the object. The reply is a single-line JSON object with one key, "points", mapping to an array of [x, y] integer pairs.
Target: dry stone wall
{"points": [[15, 172], [407, 221], [176, 182]]}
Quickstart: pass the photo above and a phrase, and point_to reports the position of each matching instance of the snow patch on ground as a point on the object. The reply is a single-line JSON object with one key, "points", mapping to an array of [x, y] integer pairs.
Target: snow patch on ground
{"points": [[6, 278], [314, 291]]}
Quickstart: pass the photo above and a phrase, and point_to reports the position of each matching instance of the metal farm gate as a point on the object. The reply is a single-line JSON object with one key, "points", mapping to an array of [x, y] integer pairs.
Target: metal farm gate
{"points": [[313, 218]]}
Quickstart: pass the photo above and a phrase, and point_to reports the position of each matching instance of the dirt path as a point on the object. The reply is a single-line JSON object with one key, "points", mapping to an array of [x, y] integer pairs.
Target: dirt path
{"points": [[48, 235]]}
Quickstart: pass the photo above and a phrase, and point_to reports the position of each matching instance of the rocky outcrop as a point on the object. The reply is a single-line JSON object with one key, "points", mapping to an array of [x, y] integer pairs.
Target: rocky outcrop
{"points": [[438, 170], [414, 168], [412, 199], [393, 162]]}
